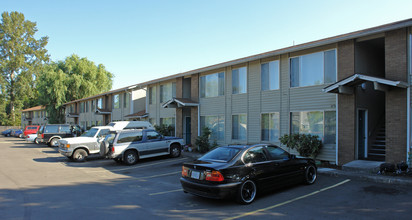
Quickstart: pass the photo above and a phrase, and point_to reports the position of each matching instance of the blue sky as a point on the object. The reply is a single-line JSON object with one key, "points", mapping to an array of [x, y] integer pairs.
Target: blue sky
{"points": [[140, 41]]}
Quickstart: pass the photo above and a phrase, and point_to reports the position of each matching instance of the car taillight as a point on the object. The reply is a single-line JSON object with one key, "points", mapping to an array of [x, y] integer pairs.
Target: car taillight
{"points": [[42, 136], [185, 171], [215, 176], [112, 149]]}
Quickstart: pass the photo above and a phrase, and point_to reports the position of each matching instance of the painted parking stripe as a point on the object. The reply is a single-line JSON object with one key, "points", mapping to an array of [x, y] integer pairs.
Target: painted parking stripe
{"points": [[160, 193], [287, 202]]}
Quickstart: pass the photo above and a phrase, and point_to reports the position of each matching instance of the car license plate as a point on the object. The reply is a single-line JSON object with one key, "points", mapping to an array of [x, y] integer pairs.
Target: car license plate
{"points": [[195, 175]]}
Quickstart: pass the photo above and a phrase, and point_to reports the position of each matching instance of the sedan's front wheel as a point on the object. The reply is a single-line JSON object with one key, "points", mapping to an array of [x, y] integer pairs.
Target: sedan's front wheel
{"points": [[247, 192], [310, 174], [175, 150]]}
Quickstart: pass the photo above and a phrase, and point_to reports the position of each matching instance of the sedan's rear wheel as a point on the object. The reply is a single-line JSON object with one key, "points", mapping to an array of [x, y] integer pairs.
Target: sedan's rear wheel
{"points": [[130, 157], [310, 174], [79, 155], [247, 192]]}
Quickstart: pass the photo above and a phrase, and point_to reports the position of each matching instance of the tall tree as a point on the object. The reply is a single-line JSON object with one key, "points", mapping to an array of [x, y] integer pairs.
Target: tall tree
{"points": [[71, 79], [21, 57]]}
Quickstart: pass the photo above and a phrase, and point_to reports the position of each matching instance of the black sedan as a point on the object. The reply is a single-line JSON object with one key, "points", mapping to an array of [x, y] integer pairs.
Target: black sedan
{"points": [[242, 171]]}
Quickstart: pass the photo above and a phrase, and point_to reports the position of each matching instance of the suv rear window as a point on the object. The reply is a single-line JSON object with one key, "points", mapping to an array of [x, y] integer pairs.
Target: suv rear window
{"points": [[130, 137], [51, 129], [31, 128], [65, 129]]}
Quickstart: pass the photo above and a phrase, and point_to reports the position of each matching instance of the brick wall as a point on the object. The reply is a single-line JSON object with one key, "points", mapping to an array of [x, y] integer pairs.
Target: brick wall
{"points": [[396, 99], [346, 105]]}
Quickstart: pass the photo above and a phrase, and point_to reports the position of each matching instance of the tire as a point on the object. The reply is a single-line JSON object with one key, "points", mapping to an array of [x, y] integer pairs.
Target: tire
{"points": [[53, 142], [130, 157], [104, 148], [80, 155], [310, 174], [175, 150], [246, 193]]}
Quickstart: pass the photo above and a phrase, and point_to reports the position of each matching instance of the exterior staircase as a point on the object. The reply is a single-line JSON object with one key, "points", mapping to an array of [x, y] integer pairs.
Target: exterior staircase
{"points": [[377, 149]]}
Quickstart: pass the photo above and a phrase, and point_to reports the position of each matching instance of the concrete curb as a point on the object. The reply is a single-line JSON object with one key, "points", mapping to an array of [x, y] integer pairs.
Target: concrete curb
{"points": [[366, 176]]}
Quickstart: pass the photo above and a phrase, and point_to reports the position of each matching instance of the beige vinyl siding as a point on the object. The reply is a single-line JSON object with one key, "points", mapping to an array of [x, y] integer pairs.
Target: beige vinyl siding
{"points": [[284, 95], [311, 98], [254, 103], [212, 106]]}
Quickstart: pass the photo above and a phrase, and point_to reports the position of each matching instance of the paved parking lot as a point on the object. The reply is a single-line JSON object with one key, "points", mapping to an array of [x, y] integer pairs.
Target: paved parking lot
{"points": [[36, 182]]}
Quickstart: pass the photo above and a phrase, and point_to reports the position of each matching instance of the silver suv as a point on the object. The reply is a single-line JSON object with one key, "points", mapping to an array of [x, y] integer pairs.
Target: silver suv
{"points": [[129, 146]]}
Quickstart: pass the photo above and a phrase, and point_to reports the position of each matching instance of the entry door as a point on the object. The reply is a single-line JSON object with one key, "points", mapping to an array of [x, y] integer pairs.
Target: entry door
{"points": [[362, 135], [188, 129]]}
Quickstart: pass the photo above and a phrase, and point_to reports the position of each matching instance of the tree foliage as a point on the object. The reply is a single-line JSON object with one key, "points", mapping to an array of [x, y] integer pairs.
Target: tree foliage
{"points": [[306, 145], [21, 58], [71, 79]]}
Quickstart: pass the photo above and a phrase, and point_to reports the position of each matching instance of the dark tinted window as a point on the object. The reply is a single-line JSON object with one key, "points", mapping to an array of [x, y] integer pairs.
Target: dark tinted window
{"points": [[65, 129], [255, 155], [51, 129], [152, 135], [223, 154], [130, 137], [31, 128], [277, 153]]}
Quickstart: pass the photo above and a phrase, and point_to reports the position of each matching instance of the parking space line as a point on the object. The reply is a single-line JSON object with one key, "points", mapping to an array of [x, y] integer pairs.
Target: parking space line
{"points": [[160, 193], [287, 202]]}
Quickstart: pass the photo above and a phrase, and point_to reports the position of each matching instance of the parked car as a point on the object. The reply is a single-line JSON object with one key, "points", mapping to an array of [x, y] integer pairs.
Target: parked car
{"points": [[7, 132], [31, 138], [18, 133], [120, 125], [243, 171], [51, 133], [129, 146], [31, 129], [73, 148]]}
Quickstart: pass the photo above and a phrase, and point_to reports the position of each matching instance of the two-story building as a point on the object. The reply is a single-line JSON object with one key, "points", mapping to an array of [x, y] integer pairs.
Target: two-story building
{"points": [[351, 90], [117, 105], [34, 116]]}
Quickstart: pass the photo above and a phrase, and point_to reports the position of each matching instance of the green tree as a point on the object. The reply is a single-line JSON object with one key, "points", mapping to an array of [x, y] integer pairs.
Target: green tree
{"points": [[71, 79], [21, 58]]}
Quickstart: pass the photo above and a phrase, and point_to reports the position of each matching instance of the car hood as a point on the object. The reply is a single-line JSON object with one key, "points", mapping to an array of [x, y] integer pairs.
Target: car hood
{"points": [[78, 140]]}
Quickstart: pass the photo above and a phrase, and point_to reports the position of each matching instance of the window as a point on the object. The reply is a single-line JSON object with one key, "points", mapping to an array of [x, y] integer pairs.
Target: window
{"points": [[65, 129], [216, 124], [130, 137], [313, 69], [100, 103], [116, 101], [270, 75], [126, 100], [318, 123], [87, 106], [277, 153], [51, 129], [152, 95], [270, 127], [167, 92], [239, 80], [169, 122], [239, 127], [81, 107], [254, 155], [152, 135], [93, 105], [212, 85]]}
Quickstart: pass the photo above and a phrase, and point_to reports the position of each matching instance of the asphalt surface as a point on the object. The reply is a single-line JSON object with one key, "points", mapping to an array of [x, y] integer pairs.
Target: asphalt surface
{"points": [[36, 182]]}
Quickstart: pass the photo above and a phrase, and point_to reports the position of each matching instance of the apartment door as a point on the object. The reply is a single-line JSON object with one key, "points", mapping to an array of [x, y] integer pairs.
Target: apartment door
{"points": [[362, 134], [188, 127]]}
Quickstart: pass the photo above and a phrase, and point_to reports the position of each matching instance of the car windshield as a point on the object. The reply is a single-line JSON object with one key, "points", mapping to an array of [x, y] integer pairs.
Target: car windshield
{"points": [[221, 154], [90, 133]]}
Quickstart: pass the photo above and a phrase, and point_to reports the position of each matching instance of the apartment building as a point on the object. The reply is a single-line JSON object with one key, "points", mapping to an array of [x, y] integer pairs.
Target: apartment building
{"points": [[34, 116], [352, 90], [117, 105]]}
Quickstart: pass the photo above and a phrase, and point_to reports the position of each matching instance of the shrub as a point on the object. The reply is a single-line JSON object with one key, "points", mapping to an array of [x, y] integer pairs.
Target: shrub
{"points": [[203, 143], [306, 145], [165, 130]]}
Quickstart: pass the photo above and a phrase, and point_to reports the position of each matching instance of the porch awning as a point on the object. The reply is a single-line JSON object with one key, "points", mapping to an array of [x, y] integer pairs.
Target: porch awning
{"points": [[72, 115], [345, 86], [179, 103], [102, 111], [141, 114]]}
